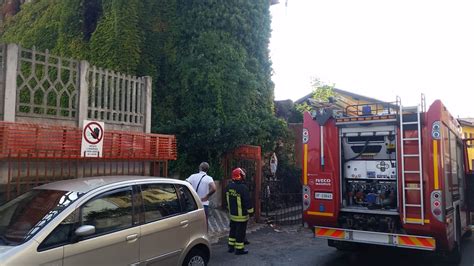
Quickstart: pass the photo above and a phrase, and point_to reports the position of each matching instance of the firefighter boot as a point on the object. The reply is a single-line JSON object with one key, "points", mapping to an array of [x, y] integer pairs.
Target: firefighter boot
{"points": [[230, 249], [242, 251]]}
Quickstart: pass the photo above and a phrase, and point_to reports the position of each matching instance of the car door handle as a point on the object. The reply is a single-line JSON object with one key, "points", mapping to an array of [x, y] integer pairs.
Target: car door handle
{"points": [[184, 223], [132, 238]]}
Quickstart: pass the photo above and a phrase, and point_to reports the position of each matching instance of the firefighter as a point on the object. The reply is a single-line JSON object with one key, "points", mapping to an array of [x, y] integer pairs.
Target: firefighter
{"points": [[239, 207]]}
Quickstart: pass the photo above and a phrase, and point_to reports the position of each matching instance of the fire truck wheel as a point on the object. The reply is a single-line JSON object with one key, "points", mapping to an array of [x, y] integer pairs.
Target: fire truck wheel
{"points": [[468, 233], [342, 245]]}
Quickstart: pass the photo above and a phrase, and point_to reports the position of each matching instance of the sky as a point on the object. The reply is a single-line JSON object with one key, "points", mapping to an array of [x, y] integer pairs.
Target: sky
{"points": [[377, 48]]}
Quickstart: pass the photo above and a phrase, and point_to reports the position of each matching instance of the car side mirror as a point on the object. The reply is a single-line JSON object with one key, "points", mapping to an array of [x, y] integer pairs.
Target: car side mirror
{"points": [[85, 230]]}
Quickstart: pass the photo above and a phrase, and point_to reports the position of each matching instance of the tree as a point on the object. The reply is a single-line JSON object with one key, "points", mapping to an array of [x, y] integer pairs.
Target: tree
{"points": [[322, 92], [220, 92]]}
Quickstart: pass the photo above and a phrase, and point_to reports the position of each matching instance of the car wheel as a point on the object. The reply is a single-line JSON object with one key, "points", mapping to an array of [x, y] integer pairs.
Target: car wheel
{"points": [[195, 257]]}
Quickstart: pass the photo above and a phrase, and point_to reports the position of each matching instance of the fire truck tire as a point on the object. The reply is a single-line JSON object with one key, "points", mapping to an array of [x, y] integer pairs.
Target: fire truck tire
{"points": [[342, 245], [468, 233], [454, 256]]}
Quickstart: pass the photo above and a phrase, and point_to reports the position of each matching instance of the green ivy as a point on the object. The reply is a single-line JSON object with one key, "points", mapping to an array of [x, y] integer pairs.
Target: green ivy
{"points": [[209, 61]]}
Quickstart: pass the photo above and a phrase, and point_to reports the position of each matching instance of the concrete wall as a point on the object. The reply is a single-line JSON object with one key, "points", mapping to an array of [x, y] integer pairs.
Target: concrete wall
{"points": [[38, 87]]}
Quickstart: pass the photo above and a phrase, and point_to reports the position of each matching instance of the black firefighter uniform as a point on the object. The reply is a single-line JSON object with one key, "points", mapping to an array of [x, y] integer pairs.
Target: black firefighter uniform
{"points": [[240, 207]]}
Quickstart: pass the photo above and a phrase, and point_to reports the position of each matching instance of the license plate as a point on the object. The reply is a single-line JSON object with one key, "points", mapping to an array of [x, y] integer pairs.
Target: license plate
{"points": [[320, 195]]}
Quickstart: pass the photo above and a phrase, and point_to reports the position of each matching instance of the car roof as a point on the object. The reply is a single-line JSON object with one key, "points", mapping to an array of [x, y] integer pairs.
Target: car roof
{"points": [[87, 184]]}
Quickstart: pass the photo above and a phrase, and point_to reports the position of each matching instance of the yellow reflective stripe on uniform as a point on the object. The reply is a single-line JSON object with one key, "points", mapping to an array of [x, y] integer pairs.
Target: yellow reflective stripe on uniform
{"points": [[239, 206], [228, 203], [231, 241], [236, 218], [250, 210], [239, 245]]}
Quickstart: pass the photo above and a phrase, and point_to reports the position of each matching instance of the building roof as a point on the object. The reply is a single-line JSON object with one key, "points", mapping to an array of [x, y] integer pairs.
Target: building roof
{"points": [[341, 92], [466, 121]]}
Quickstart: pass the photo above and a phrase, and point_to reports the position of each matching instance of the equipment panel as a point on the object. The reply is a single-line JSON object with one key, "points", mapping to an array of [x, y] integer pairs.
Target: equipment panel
{"points": [[383, 169], [369, 169]]}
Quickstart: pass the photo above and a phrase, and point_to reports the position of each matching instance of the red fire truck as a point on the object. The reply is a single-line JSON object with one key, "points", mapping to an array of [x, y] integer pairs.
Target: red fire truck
{"points": [[384, 174]]}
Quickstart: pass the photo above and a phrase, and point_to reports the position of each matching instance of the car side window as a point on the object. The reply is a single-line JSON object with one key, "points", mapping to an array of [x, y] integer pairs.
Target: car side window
{"points": [[159, 201], [62, 234], [187, 199], [109, 212]]}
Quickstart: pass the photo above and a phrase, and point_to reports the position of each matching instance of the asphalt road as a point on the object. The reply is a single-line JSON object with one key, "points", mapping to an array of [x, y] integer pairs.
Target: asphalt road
{"points": [[294, 245]]}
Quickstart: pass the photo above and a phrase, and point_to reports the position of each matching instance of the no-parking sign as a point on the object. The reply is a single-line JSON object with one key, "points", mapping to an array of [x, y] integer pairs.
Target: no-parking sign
{"points": [[92, 138]]}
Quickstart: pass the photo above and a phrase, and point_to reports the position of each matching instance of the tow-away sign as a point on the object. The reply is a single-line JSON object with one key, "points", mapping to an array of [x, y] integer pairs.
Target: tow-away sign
{"points": [[92, 138]]}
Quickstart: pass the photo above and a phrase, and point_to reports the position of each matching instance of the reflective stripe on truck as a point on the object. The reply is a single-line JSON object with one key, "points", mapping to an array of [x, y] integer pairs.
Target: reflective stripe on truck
{"points": [[376, 238]]}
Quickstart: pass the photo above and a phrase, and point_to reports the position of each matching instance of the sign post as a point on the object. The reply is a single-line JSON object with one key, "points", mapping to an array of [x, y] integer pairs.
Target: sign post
{"points": [[92, 139]]}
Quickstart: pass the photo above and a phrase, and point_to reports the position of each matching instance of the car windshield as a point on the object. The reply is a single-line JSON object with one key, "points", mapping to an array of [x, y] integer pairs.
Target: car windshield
{"points": [[22, 217]]}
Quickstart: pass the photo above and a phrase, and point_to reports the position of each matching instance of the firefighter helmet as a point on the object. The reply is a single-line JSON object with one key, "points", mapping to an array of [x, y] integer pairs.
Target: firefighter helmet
{"points": [[238, 174]]}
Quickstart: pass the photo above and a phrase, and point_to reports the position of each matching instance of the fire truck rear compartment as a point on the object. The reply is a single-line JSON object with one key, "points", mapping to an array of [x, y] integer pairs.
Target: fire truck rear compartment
{"points": [[369, 178]]}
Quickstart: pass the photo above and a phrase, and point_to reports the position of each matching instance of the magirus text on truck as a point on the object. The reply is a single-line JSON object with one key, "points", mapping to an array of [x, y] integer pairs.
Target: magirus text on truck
{"points": [[385, 174]]}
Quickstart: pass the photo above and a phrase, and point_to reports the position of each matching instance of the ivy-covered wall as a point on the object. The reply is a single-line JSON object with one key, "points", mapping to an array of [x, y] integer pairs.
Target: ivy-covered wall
{"points": [[209, 60]]}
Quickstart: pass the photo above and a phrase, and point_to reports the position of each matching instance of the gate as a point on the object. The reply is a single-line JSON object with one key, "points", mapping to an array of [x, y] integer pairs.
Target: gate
{"points": [[249, 158], [279, 206]]}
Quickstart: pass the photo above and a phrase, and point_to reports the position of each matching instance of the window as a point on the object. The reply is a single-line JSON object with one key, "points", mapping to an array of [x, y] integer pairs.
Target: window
{"points": [[159, 200], [460, 165], [447, 167], [24, 216], [454, 165], [62, 234], [109, 212], [187, 199]]}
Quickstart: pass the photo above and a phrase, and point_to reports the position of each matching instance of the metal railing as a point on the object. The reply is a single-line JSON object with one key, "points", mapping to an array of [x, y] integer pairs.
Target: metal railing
{"points": [[283, 208], [375, 108]]}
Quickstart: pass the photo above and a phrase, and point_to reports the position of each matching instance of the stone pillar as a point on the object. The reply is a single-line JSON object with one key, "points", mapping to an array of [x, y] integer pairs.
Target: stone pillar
{"points": [[9, 107], [148, 101], [83, 93]]}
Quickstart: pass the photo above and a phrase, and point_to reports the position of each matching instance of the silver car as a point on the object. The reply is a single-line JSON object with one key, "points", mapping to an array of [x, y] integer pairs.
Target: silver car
{"points": [[113, 220]]}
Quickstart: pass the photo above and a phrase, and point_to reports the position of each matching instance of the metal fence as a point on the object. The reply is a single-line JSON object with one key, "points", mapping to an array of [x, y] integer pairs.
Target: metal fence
{"points": [[281, 208]]}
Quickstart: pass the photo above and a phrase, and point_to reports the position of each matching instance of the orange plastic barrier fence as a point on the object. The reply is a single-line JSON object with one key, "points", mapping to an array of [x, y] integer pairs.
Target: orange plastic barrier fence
{"points": [[20, 140]]}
